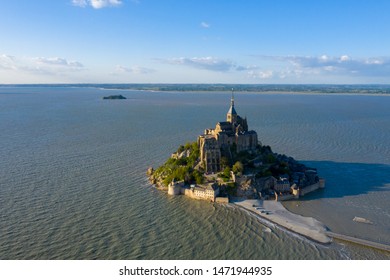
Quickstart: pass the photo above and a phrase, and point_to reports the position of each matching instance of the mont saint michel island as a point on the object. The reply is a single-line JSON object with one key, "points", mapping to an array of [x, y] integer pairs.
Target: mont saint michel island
{"points": [[228, 164], [228, 161]]}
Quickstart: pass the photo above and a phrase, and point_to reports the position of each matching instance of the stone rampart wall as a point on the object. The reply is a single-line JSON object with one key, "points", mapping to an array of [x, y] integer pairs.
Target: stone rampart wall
{"points": [[309, 189]]}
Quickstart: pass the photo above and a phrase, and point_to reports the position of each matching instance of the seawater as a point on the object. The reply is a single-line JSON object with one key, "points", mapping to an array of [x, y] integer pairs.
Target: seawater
{"points": [[73, 183]]}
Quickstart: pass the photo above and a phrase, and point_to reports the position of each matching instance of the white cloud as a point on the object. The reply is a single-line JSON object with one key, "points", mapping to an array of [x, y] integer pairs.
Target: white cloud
{"points": [[247, 68], [39, 65], [96, 4], [267, 74], [208, 63], [324, 58], [205, 24], [222, 65], [322, 65], [7, 62], [57, 61], [134, 70], [80, 3], [376, 61]]}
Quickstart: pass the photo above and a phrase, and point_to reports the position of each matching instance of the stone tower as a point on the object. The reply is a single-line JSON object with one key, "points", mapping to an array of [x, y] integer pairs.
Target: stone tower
{"points": [[231, 114], [215, 143]]}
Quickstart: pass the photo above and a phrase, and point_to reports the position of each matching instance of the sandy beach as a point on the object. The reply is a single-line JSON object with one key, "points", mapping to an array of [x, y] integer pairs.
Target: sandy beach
{"points": [[275, 212]]}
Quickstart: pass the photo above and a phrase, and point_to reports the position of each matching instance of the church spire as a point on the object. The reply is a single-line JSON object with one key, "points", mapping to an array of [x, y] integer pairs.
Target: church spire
{"points": [[232, 99], [231, 114]]}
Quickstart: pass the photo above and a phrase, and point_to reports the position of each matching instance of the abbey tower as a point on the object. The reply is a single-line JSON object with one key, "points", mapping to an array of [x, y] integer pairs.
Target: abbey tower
{"points": [[231, 115], [228, 135]]}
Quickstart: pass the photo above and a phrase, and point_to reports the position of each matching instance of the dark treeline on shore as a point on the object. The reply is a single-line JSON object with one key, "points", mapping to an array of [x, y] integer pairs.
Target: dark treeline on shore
{"points": [[277, 88]]}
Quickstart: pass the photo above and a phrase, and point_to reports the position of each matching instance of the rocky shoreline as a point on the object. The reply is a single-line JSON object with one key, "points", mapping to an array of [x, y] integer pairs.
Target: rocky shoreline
{"points": [[261, 174]]}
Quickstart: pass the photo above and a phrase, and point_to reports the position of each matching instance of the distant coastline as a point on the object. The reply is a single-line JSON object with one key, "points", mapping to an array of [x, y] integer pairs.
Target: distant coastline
{"points": [[370, 89]]}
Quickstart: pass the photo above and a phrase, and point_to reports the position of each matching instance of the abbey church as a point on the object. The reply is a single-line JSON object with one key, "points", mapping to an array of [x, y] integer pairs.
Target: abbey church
{"points": [[228, 135]]}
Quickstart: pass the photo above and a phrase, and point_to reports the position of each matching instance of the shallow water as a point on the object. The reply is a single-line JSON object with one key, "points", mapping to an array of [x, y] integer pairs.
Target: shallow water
{"points": [[73, 184]]}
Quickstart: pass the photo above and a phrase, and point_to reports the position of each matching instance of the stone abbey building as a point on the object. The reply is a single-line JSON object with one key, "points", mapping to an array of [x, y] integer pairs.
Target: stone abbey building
{"points": [[228, 135]]}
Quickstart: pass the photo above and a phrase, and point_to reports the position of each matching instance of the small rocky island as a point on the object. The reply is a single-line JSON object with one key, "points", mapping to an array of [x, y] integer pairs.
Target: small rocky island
{"points": [[228, 161], [114, 97]]}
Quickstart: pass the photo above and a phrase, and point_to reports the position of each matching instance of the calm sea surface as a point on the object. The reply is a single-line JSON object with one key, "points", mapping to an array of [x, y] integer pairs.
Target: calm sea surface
{"points": [[73, 184]]}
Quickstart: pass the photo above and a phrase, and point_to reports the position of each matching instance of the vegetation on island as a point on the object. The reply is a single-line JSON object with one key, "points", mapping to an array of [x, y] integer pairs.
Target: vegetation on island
{"points": [[181, 166], [185, 165]]}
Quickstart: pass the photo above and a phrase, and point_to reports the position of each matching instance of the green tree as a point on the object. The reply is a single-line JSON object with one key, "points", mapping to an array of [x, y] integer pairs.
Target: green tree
{"points": [[271, 158], [188, 146], [181, 149], [182, 161], [226, 172], [197, 176], [238, 167]]}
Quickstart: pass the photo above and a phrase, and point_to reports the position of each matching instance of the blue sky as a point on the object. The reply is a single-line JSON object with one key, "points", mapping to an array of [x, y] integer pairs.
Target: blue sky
{"points": [[194, 41]]}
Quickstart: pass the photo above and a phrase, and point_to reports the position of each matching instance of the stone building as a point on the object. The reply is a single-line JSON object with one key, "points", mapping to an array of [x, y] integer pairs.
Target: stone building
{"points": [[230, 134], [208, 191], [282, 185], [210, 153]]}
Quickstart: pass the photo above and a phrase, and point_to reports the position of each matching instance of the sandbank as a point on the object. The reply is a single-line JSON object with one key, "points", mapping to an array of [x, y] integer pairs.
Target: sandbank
{"points": [[275, 212]]}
